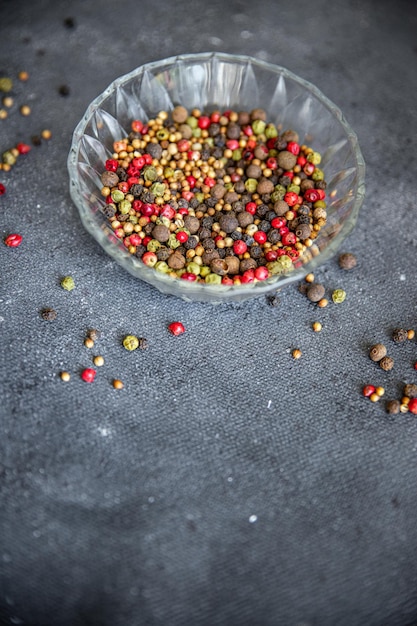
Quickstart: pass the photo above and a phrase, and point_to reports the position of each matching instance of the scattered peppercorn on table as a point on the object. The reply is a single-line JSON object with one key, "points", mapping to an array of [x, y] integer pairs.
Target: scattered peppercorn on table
{"points": [[165, 462]]}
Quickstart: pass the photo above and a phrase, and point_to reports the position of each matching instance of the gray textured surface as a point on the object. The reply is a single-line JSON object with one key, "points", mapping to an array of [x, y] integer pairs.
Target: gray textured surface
{"points": [[134, 507]]}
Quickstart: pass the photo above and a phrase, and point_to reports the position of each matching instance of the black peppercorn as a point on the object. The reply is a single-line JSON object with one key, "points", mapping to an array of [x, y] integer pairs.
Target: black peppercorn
{"points": [[399, 335], [191, 243], [48, 315], [208, 243], [274, 236], [140, 251], [136, 190], [256, 252], [154, 149], [262, 210], [163, 253], [393, 406], [265, 226], [122, 174], [410, 390]]}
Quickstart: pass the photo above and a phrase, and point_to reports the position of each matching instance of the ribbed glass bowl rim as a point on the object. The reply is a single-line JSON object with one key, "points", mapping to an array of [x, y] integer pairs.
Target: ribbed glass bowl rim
{"points": [[184, 288]]}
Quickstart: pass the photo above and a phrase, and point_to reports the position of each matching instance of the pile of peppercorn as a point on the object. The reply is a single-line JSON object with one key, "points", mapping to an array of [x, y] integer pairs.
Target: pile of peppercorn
{"points": [[215, 198]]}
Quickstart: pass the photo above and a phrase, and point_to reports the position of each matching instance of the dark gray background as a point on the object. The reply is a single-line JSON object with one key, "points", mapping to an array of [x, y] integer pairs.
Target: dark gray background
{"points": [[133, 507]]}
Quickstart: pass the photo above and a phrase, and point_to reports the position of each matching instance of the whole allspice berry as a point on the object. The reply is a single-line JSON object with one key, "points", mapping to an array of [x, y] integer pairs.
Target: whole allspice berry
{"points": [[315, 292], [399, 335], [386, 363], [347, 261], [393, 406], [410, 391], [377, 352]]}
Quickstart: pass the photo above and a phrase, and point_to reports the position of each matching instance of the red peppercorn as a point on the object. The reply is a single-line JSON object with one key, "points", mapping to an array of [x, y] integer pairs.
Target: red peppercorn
{"points": [[137, 205], [13, 241], [204, 122], [278, 222], [183, 211], [2, 189], [272, 163], [309, 168], [415, 366], [291, 198], [293, 147], [176, 328], [149, 258], [301, 160], [146, 240], [183, 145], [288, 239], [210, 182], [251, 208], [111, 165], [260, 236], [412, 406], [138, 162], [187, 195], [261, 273], [193, 155], [147, 210], [232, 144], [132, 180], [191, 180], [270, 144], [248, 130], [214, 117], [137, 126], [289, 175], [311, 195], [181, 236], [135, 240], [227, 281], [235, 177], [166, 211], [239, 247], [23, 148], [368, 390], [292, 253], [283, 230], [271, 255], [248, 276], [88, 375], [189, 276], [123, 186]]}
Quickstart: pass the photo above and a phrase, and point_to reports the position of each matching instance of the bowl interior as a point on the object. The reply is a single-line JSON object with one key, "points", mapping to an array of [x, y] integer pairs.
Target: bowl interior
{"points": [[218, 81]]}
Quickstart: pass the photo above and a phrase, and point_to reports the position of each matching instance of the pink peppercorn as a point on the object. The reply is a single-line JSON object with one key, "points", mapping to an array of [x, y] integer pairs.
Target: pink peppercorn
{"points": [[261, 273], [181, 236], [248, 276], [2, 189], [412, 406], [239, 247], [176, 328], [189, 276], [111, 165], [88, 375], [137, 126], [291, 198], [13, 241], [368, 390], [293, 147], [278, 222], [260, 237], [23, 148], [288, 239], [204, 122], [251, 208]]}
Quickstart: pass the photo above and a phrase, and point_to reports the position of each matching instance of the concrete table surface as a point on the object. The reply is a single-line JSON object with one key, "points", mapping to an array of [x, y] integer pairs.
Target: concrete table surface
{"points": [[226, 484]]}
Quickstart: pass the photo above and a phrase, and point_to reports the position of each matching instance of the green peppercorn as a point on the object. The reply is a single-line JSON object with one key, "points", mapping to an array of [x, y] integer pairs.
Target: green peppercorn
{"points": [[158, 189], [258, 127], [193, 268], [213, 279], [294, 188], [236, 155], [271, 131], [338, 296], [124, 207], [68, 283], [162, 267], [251, 185], [150, 173], [204, 271], [192, 121], [9, 158], [130, 342], [162, 134], [314, 157], [117, 195], [153, 245], [317, 174], [6, 84]]}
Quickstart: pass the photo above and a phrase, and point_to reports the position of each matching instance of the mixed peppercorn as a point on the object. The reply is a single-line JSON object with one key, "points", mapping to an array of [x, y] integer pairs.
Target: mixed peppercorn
{"points": [[214, 198]]}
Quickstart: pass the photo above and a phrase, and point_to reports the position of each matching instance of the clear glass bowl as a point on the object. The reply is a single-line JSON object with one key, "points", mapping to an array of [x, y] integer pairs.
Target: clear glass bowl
{"points": [[218, 81]]}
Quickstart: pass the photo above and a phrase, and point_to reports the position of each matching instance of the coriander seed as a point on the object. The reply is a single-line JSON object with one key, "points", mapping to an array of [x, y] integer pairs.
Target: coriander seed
{"points": [[25, 110], [98, 361], [323, 303], [117, 384], [410, 334], [374, 397], [65, 376], [68, 283], [296, 353], [23, 75], [380, 391], [130, 342], [317, 327], [88, 342]]}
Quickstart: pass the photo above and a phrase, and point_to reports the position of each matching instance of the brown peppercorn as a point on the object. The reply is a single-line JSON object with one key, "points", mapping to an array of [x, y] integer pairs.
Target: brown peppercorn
{"points": [[219, 266], [303, 231], [393, 406], [191, 223], [233, 264], [410, 391], [258, 114], [281, 207], [290, 135], [386, 363], [243, 118], [179, 114], [94, 334], [228, 222], [377, 352], [286, 160], [244, 219], [176, 261], [109, 179], [161, 233], [218, 191], [265, 186], [230, 197], [208, 256], [347, 261], [143, 343], [253, 171], [247, 264], [48, 314], [399, 335], [315, 292]]}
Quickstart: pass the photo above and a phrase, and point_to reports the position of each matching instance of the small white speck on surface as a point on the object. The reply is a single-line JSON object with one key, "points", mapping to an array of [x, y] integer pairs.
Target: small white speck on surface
{"points": [[38, 206], [151, 499], [253, 519], [104, 432], [246, 34], [1, 319], [215, 41], [402, 276], [269, 404], [230, 479], [36, 534]]}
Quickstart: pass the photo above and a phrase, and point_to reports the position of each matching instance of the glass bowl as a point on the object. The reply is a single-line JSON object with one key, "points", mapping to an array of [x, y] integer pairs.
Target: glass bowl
{"points": [[210, 81]]}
